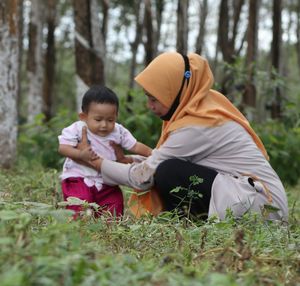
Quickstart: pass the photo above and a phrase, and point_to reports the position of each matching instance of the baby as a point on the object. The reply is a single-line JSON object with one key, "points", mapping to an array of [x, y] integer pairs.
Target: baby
{"points": [[99, 114]]}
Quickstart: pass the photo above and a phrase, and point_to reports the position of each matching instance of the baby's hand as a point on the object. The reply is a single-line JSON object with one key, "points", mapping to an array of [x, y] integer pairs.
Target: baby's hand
{"points": [[118, 151], [120, 156]]}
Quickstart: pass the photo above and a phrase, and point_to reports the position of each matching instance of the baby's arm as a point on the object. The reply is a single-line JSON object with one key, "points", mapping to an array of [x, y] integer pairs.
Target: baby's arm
{"points": [[138, 148], [141, 149], [128, 141]]}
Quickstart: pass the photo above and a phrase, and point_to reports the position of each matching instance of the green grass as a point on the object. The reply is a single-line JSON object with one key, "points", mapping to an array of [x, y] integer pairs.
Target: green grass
{"points": [[41, 245]]}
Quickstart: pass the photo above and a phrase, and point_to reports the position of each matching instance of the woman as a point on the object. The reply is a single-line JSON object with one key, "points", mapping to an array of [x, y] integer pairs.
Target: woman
{"points": [[208, 159]]}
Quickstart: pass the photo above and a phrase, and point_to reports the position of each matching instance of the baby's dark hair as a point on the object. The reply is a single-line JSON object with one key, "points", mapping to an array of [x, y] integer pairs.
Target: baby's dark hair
{"points": [[99, 94]]}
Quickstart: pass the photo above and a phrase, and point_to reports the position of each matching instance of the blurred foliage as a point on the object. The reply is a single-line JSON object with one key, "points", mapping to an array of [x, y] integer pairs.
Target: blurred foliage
{"points": [[232, 82], [282, 143], [135, 116], [65, 84], [38, 142]]}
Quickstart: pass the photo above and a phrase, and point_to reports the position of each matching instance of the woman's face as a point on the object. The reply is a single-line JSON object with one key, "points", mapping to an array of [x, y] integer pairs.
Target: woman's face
{"points": [[155, 106]]}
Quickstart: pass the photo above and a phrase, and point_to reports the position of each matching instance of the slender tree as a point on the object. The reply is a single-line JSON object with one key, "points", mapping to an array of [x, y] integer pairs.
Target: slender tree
{"points": [[160, 7], [298, 34], [149, 39], [223, 30], [227, 35], [167, 34], [105, 9], [20, 30], [249, 96], [9, 46], [35, 60], [139, 8], [203, 7], [182, 26], [152, 25], [228, 29], [49, 59], [149, 29], [275, 56], [89, 46], [139, 21]]}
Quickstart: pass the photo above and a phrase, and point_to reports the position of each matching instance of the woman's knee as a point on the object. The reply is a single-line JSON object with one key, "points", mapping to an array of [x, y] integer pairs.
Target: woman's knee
{"points": [[166, 169]]}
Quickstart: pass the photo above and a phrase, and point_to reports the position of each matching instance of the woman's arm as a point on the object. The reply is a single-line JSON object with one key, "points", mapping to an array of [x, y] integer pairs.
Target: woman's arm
{"points": [[181, 144]]}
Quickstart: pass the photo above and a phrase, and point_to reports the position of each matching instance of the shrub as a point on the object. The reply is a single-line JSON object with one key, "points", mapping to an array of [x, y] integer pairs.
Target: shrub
{"points": [[282, 144], [136, 117], [38, 141]]}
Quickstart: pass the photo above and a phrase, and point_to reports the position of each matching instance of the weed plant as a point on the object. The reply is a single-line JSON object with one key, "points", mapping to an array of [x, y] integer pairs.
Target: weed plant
{"points": [[41, 244]]}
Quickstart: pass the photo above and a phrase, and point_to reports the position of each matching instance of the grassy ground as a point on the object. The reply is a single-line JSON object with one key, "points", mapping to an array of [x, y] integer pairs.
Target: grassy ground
{"points": [[40, 245]]}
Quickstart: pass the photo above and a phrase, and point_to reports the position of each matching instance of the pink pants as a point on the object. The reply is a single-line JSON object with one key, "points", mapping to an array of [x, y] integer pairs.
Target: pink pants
{"points": [[108, 198]]}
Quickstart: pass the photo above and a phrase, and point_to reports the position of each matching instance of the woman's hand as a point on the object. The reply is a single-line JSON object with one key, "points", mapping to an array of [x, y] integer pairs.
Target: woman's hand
{"points": [[87, 156]]}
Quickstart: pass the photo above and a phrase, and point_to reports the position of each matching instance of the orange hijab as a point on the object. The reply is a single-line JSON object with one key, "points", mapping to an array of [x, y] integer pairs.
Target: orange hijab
{"points": [[199, 105]]}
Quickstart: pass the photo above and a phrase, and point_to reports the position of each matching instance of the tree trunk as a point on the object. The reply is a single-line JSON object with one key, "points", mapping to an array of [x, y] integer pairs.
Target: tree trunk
{"points": [[20, 58], [139, 19], [182, 26], [168, 31], [89, 47], [238, 5], [149, 43], [105, 8], [139, 8], [227, 32], [9, 46], [249, 96], [35, 60], [275, 55], [298, 35], [49, 60], [152, 25], [223, 30], [160, 4], [202, 29], [225, 41]]}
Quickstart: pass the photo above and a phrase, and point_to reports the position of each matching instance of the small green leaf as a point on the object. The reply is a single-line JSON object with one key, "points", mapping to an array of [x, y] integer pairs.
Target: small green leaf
{"points": [[271, 208], [176, 190]]}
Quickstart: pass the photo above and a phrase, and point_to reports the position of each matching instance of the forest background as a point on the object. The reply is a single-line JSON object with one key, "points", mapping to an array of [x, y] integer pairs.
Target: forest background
{"points": [[51, 51]]}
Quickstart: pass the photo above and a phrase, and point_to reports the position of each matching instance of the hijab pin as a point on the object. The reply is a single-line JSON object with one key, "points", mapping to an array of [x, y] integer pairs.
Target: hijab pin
{"points": [[187, 74]]}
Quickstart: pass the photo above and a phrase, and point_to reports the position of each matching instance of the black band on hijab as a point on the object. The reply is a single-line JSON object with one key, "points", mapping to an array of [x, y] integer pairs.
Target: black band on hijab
{"points": [[186, 76]]}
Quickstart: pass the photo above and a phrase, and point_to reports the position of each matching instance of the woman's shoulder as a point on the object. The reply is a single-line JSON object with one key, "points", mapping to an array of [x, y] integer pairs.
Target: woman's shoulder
{"points": [[228, 127]]}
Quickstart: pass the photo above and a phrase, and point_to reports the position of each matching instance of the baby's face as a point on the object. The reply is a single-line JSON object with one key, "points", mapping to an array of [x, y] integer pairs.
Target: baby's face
{"points": [[101, 118]]}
